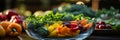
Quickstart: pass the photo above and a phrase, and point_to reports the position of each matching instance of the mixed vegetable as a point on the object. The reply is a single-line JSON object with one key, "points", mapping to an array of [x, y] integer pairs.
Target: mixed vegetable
{"points": [[61, 28], [65, 23]]}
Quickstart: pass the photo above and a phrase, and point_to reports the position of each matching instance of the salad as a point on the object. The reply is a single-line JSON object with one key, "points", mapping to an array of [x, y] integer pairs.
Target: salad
{"points": [[61, 24]]}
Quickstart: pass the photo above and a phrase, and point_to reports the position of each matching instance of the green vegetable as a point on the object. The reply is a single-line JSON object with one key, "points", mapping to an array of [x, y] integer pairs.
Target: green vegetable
{"points": [[76, 10], [68, 17], [31, 25], [115, 27], [42, 31], [109, 12], [115, 23]]}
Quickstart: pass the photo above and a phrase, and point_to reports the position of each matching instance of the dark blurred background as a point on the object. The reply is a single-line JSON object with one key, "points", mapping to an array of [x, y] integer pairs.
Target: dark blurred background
{"points": [[34, 5]]}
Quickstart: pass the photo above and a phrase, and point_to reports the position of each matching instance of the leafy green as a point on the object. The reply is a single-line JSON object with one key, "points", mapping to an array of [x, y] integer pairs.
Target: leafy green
{"points": [[115, 23], [76, 10], [109, 12]]}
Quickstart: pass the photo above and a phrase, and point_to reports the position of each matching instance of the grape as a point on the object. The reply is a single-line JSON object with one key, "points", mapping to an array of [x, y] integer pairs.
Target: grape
{"points": [[67, 24]]}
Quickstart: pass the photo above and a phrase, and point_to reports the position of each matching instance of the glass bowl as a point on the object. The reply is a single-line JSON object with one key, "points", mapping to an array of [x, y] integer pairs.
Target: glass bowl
{"points": [[82, 35]]}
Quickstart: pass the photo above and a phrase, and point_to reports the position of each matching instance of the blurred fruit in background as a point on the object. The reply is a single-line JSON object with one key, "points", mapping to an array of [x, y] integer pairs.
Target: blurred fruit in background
{"points": [[38, 13], [102, 25], [22, 10], [27, 13], [10, 13], [17, 19], [10, 23], [80, 2], [3, 17]]}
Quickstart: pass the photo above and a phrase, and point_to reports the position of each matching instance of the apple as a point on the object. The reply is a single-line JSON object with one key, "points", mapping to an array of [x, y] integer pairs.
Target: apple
{"points": [[27, 13], [38, 13], [17, 19], [3, 17], [97, 25], [10, 13], [74, 27], [101, 26], [102, 22]]}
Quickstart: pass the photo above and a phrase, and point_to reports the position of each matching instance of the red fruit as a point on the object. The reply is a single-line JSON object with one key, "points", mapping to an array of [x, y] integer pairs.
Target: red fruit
{"points": [[101, 26], [102, 22], [74, 27], [2, 17], [10, 13], [108, 26], [16, 19], [97, 26]]}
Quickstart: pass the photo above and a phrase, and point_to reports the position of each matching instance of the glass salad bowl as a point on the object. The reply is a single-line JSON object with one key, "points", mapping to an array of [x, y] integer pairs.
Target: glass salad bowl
{"points": [[60, 30], [73, 21]]}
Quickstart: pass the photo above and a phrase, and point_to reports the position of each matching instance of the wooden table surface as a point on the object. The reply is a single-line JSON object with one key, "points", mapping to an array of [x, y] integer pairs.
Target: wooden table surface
{"points": [[96, 35], [23, 36]]}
